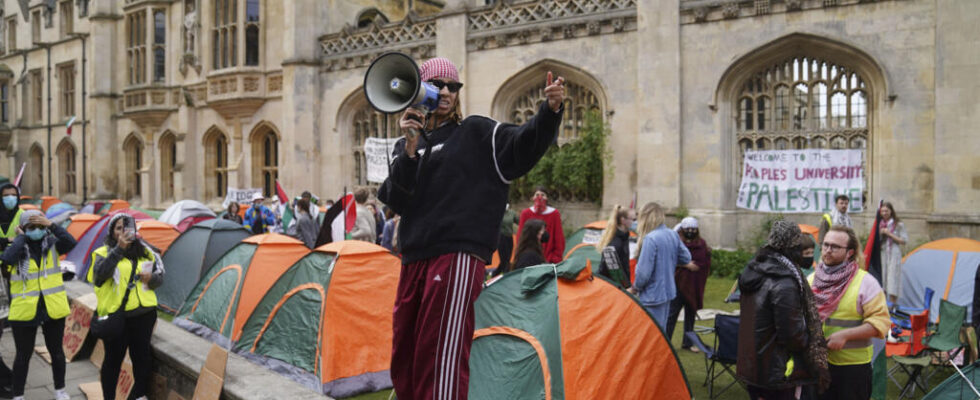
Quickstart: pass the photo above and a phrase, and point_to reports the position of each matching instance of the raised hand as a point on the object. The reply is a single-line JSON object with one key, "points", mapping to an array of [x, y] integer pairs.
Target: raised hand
{"points": [[555, 92]]}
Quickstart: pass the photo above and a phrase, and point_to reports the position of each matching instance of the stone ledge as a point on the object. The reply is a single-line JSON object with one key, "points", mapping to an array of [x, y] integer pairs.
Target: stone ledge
{"points": [[185, 353]]}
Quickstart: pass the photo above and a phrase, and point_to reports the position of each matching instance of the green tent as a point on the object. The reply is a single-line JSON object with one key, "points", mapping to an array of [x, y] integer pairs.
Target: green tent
{"points": [[556, 332], [189, 256], [957, 387]]}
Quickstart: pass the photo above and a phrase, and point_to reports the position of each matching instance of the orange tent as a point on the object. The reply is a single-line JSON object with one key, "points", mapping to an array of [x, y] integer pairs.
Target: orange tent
{"points": [[157, 233], [330, 316], [48, 201], [80, 223], [552, 332], [226, 295], [812, 231], [118, 205]]}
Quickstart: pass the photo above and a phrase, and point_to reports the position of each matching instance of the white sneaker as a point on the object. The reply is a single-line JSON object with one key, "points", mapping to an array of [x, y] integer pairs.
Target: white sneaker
{"points": [[18, 398], [142, 398], [61, 394]]}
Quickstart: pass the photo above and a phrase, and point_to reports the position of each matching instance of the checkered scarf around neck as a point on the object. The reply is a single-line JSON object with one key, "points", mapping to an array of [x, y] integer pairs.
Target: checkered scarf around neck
{"points": [[816, 349], [839, 218], [829, 284]]}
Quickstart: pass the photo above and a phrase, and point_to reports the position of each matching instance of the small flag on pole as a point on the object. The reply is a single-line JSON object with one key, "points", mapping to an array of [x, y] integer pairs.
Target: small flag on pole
{"points": [[283, 199], [20, 175], [68, 126]]}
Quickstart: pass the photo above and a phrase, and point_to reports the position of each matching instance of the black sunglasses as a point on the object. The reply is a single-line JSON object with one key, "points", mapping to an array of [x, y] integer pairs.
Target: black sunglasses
{"points": [[452, 86]]}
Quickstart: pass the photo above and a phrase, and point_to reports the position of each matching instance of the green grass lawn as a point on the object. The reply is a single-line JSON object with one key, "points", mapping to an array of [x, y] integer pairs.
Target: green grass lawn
{"points": [[693, 363]]}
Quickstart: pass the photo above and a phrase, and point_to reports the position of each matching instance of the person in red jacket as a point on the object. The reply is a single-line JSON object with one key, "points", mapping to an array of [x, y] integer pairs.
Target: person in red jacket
{"points": [[554, 250]]}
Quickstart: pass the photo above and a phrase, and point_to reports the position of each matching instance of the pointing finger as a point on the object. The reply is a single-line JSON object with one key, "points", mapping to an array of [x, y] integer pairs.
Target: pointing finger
{"points": [[550, 81]]}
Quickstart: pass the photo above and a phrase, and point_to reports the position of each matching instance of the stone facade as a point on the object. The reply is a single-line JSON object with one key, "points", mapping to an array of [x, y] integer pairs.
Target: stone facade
{"points": [[285, 101]]}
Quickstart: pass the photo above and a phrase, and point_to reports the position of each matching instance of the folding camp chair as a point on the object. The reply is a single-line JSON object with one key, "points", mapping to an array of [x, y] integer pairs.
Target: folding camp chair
{"points": [[900, 315], [722, 356], [946, 340], [913, 364]]}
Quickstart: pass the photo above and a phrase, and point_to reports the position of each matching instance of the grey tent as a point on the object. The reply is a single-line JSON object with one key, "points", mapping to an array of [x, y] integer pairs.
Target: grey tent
{"points": [[191, 254]]}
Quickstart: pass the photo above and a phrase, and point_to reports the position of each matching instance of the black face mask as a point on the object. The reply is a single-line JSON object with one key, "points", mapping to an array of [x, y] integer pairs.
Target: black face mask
{"points": [[544, 237], [690, 235], [806, 262]]}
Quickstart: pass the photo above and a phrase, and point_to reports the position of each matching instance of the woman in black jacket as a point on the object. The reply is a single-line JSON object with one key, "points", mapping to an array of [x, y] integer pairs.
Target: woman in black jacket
{"points": [[529, 246], [778, 321], [617, 236]]}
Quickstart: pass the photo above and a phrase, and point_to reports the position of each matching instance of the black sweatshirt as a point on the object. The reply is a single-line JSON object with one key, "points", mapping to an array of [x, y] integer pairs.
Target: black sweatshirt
{"points": [[452, 199]]}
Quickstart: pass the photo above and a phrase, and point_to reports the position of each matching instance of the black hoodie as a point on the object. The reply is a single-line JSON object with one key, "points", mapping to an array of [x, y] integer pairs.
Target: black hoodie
{"points": [[452, 198]]}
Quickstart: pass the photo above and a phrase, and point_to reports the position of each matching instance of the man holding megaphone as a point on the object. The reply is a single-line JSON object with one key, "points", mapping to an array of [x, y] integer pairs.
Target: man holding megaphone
{"points": [[450, 189]]}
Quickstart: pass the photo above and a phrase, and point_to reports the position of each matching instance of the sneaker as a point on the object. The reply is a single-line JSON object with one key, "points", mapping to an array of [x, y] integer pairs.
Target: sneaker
{"points": [[18, 397], [61, 394]]}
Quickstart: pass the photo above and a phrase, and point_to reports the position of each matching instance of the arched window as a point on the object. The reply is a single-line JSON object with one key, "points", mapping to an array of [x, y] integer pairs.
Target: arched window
{"points": [[370, 16], [816, 104], [518, 99], [34, 179], [66, 162], [215, 164], [133, 151], [265, 159], [168, 162], [366, 123]]}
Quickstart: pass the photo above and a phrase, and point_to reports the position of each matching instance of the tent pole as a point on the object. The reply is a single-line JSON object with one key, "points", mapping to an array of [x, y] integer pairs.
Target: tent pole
{"points": [[964, 377]]}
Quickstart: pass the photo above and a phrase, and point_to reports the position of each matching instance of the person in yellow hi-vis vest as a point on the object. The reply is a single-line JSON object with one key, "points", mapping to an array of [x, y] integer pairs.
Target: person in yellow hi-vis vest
{"points": [[113, 264], [852, 307], [37, 296], [9, 221]]}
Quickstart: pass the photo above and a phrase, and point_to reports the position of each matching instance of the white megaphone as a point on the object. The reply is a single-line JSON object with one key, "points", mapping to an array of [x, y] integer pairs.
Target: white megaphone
{"points": [[393, 83]]}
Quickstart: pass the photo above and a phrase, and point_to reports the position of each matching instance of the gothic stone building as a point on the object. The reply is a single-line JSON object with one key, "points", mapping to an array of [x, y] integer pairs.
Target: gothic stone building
{"points": [[179, 99]]}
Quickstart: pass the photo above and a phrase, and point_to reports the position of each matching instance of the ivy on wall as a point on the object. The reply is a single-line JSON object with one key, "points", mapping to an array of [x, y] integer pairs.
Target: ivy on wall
{"points": [[574, 171]]}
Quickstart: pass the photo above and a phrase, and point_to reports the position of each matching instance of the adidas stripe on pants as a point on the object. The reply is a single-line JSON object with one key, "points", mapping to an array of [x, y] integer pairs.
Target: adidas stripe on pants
{"points": [[433, 327]]}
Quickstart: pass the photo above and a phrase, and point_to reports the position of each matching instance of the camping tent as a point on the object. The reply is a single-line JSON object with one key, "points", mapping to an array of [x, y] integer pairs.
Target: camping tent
{"points": [[158, 234], [47, 202], [327, 321], [94, 238], [182, 214], [948, 267], [957, 386], [224, 298], [80, 223], [589, 234], [189, 256], [60, 212], [551, 332]]}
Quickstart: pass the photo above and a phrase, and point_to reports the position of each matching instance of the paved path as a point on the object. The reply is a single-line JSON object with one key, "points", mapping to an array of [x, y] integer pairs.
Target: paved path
{"points": [[39, 385]]}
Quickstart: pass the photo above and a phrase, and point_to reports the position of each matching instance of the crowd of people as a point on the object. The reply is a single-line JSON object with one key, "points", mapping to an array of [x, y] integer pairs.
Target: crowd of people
{"points": [[803, 334]]}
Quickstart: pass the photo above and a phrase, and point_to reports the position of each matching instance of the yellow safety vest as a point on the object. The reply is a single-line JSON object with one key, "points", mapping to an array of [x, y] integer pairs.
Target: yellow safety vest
{"points": [[110, 295], [25, 290], [846, 316], [11, 232]]}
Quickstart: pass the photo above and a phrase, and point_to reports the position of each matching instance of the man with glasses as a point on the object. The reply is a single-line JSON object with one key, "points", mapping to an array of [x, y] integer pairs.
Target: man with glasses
{"points": [[451, 200], [852, 307]]}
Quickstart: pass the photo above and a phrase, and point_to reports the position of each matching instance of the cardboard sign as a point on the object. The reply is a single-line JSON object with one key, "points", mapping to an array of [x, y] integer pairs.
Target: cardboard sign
{"points": [[43, 352], [377, 153], [801, 181], [241, 196], [91, 390], [76, 328], [212, 376]]}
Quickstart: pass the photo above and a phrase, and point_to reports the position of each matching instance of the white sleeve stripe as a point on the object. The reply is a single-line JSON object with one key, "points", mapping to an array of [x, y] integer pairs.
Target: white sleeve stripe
{"points": [[493, 141]]}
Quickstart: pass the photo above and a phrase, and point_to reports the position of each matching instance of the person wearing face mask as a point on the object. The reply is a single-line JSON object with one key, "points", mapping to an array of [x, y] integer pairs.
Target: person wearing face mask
{"points": [[113, 266], [690, 284], [38, 296], [615, 241], [781, 348], [10, 213], [554, 250], [450, 188]]}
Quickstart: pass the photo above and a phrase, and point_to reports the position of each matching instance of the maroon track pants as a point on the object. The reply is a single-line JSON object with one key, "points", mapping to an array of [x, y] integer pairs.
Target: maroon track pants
{"points": [[433, 327]]}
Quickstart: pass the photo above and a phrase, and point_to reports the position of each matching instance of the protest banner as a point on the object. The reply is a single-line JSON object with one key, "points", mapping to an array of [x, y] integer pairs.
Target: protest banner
{"points": [[800, 181], [212, 376], [377, 153], [242, 196]]}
